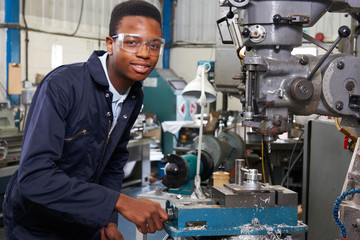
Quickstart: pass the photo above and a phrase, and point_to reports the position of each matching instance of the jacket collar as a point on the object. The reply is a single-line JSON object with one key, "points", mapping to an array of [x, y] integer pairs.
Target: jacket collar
{"points": [[97, 71]]}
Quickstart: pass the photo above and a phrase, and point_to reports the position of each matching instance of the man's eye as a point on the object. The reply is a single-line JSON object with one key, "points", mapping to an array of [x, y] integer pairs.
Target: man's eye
{"points": [[131, 42], [155, 45]]}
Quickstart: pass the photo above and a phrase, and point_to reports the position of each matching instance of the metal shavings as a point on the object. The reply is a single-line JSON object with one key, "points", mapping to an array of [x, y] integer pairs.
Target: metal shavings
{"points": [[272, 234]]}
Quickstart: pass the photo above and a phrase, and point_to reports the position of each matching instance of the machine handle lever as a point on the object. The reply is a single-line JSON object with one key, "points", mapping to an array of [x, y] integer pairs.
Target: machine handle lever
{"points": [[300, 19], [277, 18], [343, 32]]}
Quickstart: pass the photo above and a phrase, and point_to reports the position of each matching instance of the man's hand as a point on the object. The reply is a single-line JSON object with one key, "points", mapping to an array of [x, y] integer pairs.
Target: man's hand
{"points": [[111, 233], [148, 216]]}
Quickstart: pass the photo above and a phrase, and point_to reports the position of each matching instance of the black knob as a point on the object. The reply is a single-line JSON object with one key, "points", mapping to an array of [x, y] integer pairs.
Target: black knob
{"points": [[230, 14], [344, 31], [172, 169], [277, 18], [245, 32], [304, 60]]}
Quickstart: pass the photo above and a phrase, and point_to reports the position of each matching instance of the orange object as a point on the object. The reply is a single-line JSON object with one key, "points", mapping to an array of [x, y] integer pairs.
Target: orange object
{"points": [[220, 178]]}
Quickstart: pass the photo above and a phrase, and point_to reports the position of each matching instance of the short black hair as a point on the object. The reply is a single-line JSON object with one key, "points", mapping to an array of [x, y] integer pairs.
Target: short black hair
{"points": [[132, 8]]}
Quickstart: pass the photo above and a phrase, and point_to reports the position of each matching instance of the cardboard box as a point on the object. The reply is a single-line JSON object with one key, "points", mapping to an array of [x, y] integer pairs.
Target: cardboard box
{"points": [[153, 133]]}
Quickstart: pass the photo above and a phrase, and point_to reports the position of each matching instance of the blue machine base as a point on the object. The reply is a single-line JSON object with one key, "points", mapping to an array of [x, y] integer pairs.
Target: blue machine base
{"points": [[212, 220]]}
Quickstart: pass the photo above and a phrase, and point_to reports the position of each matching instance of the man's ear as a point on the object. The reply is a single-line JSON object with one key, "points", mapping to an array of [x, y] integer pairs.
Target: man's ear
{"points": [[109, 44]]}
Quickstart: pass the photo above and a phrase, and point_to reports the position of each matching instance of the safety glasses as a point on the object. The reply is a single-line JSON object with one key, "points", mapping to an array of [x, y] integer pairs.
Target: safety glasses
{"points": [[133, 43]]}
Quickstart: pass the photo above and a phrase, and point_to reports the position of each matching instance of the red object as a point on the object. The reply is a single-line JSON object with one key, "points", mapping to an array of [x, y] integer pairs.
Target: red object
{"points": [[346, 140], [182, 109], [193, 108], [320, 37], [232, 173]]}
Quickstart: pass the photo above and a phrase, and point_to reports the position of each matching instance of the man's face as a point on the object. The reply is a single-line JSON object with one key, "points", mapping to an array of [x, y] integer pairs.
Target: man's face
{"points": [[133, 66]]}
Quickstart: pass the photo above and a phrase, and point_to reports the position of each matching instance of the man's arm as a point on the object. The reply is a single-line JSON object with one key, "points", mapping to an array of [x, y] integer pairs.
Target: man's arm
{"points": [[148, 216]]}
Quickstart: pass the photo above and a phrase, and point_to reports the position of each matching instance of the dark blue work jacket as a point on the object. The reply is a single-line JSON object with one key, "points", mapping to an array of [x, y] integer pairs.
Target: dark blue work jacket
{"points": [[71, 169]]}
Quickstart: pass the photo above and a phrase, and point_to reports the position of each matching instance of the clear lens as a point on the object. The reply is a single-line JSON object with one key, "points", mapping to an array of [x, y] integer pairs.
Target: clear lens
{"points": [[133, 43]]}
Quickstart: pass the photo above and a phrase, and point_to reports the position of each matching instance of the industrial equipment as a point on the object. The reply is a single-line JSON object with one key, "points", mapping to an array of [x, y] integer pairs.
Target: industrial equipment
{"points": [[165, 84], [221, 151], [273, 85], [180, 171], [247, 207]]}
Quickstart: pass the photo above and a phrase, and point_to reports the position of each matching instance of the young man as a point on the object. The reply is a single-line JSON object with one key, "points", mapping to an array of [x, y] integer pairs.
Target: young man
{"points": [[74, 147]]}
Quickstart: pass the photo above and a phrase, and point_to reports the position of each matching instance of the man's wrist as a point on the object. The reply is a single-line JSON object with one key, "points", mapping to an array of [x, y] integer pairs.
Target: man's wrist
{"points": [[120, 203]]}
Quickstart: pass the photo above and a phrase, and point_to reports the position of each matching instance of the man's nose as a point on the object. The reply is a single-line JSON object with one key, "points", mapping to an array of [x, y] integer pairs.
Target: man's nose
{"points": [[144, 50]]}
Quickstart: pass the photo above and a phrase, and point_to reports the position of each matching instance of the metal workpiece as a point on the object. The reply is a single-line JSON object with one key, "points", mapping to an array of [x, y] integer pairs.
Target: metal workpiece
{"points": [[233, 195], [239, 171], [252, 178]]}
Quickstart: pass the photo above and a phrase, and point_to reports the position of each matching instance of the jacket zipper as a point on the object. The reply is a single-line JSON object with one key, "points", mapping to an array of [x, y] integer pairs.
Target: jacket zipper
{"points": [[76, 135], [107, 142]]}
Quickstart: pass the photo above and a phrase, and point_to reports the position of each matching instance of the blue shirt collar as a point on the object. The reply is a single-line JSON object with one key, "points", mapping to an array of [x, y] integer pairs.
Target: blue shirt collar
{"points": [[117, 97]]}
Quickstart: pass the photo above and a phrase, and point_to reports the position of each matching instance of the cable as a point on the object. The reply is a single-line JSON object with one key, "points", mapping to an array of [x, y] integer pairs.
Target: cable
{"points": [[64, 34], [27, 35], [344, 131], [290, 160], [291, 167], [336, 210], [18, 26], [262, 159], [80, 17]]}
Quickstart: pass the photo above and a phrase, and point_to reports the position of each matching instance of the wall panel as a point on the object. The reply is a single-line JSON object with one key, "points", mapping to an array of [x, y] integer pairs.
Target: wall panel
{"points": [[195, 21]]}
